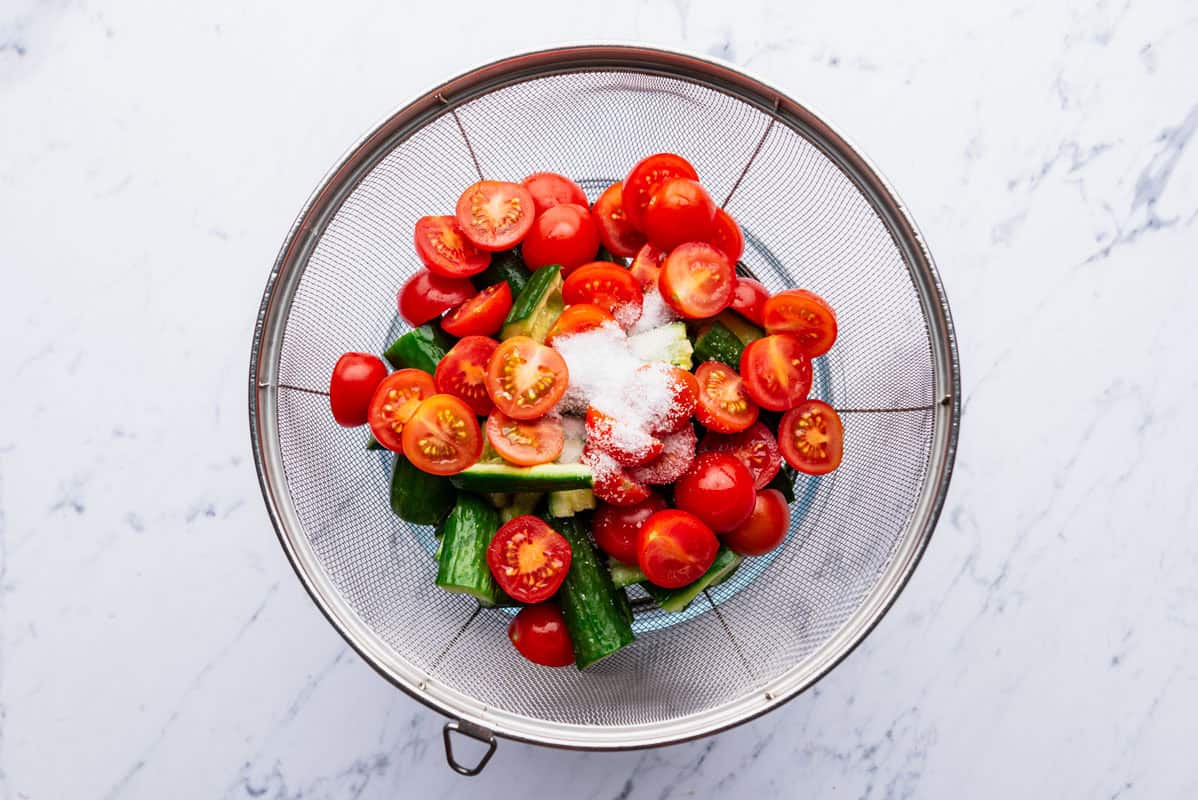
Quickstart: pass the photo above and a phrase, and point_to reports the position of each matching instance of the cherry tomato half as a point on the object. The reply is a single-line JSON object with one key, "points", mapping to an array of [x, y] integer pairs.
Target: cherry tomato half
{"points": [[677, 455], [804, 315], [717, 489], [394, 402], [526, 443], [617, 528], [628, 444], [462, 372], [352, 384], [526, 379], [481, 315], [811, 437], [612, 482], [671, 392], [646, 176], [726, 236], [548, 189], [724, 405], [675, 547], [764, 529], [615, 231], [564, 235], [755, 447], [442, 437], [446, 251], [539, 634], [578, 318], [426, 296], [749, 299], [608, 286], [529, 559], [679, 211], [697, 280], [646, 267], [495, 215], [777, 372]]}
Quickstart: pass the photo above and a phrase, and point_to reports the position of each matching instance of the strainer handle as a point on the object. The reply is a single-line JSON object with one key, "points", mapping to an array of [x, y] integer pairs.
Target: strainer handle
{"points": [[477, 732]]}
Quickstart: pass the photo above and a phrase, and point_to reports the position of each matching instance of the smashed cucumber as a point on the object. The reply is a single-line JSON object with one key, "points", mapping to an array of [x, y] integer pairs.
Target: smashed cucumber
{"points": [[462, 555], [624, 574], [676, 600], [569, 502], [665, 343], [537, 307], [417, 496], [505, 266], [740, 327], [596, 617], [718, 343], [522, 503], [422, 348], [491, 478]]}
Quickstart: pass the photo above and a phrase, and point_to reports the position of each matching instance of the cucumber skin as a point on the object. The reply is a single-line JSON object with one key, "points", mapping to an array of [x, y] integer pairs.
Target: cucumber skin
{"points": [[624, 574], [739, 326], [606, 255], [675, 600], [462, 557], [595, 617], [421, 348], [491, 478], [505, 266], [718, 343], [540, 299], [784, 482], [417, 496]]}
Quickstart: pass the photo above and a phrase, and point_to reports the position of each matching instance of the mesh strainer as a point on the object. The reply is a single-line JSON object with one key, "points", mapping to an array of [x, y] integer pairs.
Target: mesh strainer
{"points": [[815, 214]]}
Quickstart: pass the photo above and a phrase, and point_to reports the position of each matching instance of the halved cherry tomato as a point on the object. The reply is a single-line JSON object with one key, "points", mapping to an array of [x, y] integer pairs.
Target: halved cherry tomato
{"points": [[756, 448], [679, 211], [577, 319], [526, 443], [481, 315], [526, 379], [529, 559], [617, 528], [646, 176], [539, 634], [615, 231], [804, 315], [764, 529], [653, 382], [548, 189], [749, 299], [426, 296], [724, 405], [564, 235], [395, 401], [726, 236], [495, 215], [462, 372], [446, 251], [443, 436], [612, 482], [697, 280], [811, 437], [717, 489], [628, 444], [777, 372], [675, 547], [646, 267], [677, 455], [355, 377], [608, 286]]}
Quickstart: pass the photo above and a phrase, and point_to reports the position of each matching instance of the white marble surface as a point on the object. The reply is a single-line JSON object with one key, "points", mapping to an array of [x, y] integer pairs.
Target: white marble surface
{"points": [[154, 642]]}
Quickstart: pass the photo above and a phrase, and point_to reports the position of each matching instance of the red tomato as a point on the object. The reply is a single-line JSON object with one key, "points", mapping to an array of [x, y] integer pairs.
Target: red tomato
{"points": [[811, 437], [777, 372], [804, 315], [539, 634], [443, 436], [617, 528], [548, 189], [675, 548], [526, 443], [394, 402], [526, 379], [628, 444], [717, 489], [726, 236], [724, 405], [677, 455], [426, 296], [679, 211], [646, 267], [529, 559], [697, 280], [612, 483], [608, 286], [577, 319], [749, 299], [462, 372], [764, 529], [683, 389], [756, 448], [615, 231], [355, 377], [481, 315], [446, 251], [645, 177], [495, 215], [563, 235]]}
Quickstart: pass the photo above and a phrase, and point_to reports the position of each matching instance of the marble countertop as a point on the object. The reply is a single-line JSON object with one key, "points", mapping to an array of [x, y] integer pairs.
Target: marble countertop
{"points": [[154, 642]]}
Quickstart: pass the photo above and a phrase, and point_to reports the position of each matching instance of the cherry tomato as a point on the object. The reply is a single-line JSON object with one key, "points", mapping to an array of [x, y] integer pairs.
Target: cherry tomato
{"points": [[355, 377], [617, 528], [777, 372], [749, 298], [529, 559], [679, 211], [608, 286], [548, 189], [675, 548], [811, 437], [443, 436], [615, 231], [526, 379], [646, 267], [756, 448], [628, 444], [539, 634], [764, 529], [462, 372], [697, 280], [717, 489], [578, 318], [683, 390], [646, 176], [724, 405], [446, 251], [495, 215], [394, 402], [426, 296], [612, 482], [804, 315], [564, 235], [677, 455], [481, 315], [726, 236], [526, 443]]}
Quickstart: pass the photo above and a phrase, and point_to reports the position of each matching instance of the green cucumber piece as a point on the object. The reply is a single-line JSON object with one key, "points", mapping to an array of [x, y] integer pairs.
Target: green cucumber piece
{"points": [[718, 343], [537, 307], [784, 482], [666, 343], [594, 616], [607, 255], [624, 604], [676, 600], [373, 444], [420, 348], [505, 266], [522, 503], [417, 496], [740, 327], [569, 502], [462, 556], [624, 574], [488, 478]]}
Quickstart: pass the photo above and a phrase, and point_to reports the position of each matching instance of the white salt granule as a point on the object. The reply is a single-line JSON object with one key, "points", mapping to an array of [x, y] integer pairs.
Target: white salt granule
{"points": [[654, 313]]}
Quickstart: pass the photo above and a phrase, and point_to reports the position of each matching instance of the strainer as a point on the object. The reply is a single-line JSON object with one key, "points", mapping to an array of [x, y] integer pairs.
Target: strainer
{"points": [[815, 215]]}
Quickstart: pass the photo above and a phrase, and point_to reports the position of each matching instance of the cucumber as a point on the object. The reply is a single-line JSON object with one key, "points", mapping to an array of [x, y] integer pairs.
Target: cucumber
{"points": [[373, 444], [499, 499], [607, 255], [576, 436], [666, 343], [489, 478], [522, 503], [417, 496], [594, 614], [784, 482], [537, 307], [462, 557], [676, 600], [569, 502], [740, 327], [420, 348], [505, 266], [623, 604], [624, 574], [718, 343]]}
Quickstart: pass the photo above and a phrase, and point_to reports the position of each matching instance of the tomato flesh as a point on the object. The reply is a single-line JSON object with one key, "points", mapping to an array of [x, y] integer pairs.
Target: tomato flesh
{"points": [[539, 634], [726, 236], [352, 384], [612, 482], [679, 211], [615, 231], [529, 559], [749, 298], [548, 189], [495, 215], [777, 372], [646, 267], [525, 378], [443, 437], [717, 489], [646, 176], [724, 404], [617, 528], [394, 402], [764, 529], [697, 280], [805, 316], [755, 447], [811, 437], [579, 318], [675, 548], [677, 455], [564, 234], [608, 286], [526, 443], [426, 296], [446, 251], [481, 315], [462, 372]]}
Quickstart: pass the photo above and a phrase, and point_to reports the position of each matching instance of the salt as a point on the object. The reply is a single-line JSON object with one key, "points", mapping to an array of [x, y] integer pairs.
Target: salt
{"points": [[654, 312]]}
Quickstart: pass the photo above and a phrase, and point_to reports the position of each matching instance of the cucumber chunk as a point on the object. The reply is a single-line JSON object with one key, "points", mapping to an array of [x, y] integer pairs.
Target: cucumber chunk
{"points": [[489, 478], [624, 574], [666, 343], [417, 496], [462, 556], [569, 502], [537, 307], [718, 343], [420, 348], [676, 600], [596, 618], [505, 266]]}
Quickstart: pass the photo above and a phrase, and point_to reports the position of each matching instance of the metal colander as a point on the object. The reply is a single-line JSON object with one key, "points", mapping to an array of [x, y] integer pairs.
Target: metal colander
{"points": [[815, 214]]}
